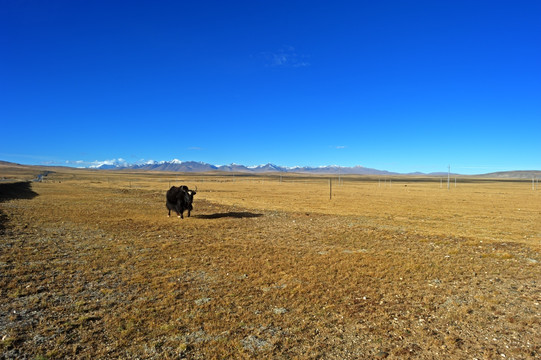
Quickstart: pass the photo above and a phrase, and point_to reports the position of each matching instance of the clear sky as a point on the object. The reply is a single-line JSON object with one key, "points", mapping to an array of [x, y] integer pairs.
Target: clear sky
{"points": [[393, 85]]}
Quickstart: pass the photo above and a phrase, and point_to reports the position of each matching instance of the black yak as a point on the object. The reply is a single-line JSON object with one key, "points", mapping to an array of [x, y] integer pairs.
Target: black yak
{"points": [[179, 199]]}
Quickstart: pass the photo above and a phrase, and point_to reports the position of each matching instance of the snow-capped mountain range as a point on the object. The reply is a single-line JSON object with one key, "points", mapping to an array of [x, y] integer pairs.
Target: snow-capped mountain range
{"points": [[197, 166]]}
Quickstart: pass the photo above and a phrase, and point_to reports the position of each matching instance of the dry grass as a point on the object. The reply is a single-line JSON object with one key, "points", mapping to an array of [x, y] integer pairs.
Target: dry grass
{"points": [[93, 268]]}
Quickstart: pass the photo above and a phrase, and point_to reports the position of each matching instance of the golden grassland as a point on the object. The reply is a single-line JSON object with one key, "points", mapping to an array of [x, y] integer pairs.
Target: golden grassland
{"points": [[268, 267]]}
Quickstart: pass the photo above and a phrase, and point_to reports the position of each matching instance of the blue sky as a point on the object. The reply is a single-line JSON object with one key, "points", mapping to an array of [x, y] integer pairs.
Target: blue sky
{"points": [[394, 85]]}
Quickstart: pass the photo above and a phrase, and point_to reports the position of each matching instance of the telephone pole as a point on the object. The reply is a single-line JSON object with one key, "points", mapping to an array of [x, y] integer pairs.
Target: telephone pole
{"points": [[449, 177]]}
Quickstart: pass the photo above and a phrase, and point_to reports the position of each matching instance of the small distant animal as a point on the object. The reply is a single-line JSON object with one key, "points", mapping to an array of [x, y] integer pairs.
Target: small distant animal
{"points": [[179, 199]]}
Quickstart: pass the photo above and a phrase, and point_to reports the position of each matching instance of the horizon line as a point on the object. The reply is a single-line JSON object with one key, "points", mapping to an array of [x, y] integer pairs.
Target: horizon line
{"points": [[122, 163]]}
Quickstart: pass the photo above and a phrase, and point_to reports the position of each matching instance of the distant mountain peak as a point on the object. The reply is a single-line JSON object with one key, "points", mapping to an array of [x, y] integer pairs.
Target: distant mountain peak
{"points": [[177, 165]]}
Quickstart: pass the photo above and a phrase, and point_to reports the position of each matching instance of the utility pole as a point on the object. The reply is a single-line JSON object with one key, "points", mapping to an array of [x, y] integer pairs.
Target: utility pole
{"points": [[448, 177], [330, 189]]}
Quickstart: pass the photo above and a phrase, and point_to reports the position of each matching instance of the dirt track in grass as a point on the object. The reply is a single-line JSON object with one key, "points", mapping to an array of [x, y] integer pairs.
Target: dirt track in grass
{"points": [[95, 269]]}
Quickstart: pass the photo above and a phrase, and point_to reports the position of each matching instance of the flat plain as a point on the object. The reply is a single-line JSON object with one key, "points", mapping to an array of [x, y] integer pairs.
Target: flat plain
{"points": [[268, 266]]}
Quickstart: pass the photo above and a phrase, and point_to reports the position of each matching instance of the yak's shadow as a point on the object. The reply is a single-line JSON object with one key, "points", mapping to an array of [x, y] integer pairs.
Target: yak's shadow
{"points": [[231, 214]]}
